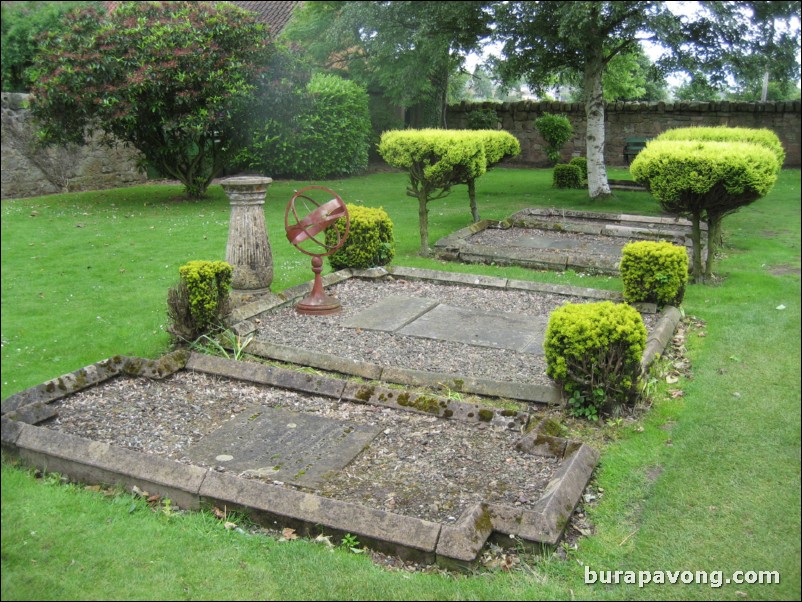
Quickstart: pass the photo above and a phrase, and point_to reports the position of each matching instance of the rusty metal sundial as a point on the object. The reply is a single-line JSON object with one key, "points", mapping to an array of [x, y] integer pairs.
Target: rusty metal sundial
{"points": [[304, 220]]}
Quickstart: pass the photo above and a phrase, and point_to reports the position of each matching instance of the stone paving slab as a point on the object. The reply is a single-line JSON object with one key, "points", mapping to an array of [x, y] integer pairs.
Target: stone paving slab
{"points": [[484, 329], [391, 314], [281, 445]]}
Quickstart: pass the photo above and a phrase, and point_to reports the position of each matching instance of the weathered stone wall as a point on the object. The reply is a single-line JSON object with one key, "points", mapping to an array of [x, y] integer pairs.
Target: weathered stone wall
{"points": [[31, 171], [637, 119]]}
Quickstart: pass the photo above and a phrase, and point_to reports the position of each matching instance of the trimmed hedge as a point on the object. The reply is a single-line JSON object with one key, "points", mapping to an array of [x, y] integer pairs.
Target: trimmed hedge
{"points": [[327, 133], [594, 351], [705, 179], [582, 163], [762, 137], [656, 272], [567, 175], [199, 302], [370, 240]]}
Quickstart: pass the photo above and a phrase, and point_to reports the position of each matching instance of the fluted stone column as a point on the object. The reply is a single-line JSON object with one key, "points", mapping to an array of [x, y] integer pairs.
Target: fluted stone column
{"points": [[248, 249]]}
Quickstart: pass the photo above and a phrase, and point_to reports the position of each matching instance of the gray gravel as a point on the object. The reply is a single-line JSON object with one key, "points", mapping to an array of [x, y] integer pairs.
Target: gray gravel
{"points": [[325, 334]]}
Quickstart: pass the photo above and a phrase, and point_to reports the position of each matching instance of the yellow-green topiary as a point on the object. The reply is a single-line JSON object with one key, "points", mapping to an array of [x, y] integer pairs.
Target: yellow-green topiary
{"points": [[207, 283], [370, 240], [594, 350], [656, 272]]}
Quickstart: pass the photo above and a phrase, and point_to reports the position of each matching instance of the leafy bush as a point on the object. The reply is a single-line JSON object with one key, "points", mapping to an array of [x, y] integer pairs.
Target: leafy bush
{"points": [[594, 350], [171, 79], [567, 175], [370, 240], [482, 119], [705, 179], [656, 272], [22, 24], [200, 300], [327, 134], [582, 163], [556, 130]]}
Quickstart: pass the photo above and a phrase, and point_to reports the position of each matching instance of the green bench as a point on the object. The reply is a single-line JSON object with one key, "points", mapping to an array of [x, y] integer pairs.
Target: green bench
{"points": [[632, 146]]}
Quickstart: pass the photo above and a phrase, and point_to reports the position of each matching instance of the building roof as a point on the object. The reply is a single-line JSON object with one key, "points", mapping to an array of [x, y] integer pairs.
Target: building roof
{"points": [[275, 14]]}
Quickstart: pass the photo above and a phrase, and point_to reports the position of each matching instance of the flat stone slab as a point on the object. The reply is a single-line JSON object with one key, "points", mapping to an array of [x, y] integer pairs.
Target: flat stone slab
{"points": [[283, 446], [484, 329], [412, 316], [391, 314]]}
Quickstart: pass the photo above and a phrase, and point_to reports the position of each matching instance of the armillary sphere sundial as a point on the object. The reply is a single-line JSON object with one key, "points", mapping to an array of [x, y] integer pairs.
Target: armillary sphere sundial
{"points": [[304, 220]]}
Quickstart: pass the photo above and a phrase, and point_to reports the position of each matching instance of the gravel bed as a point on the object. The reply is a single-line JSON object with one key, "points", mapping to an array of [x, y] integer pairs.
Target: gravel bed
{"points": [[501, 237], [285, 326], [418, 465]]}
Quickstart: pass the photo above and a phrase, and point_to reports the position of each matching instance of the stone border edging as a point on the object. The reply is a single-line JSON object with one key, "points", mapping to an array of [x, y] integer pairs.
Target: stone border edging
{"points": [[243, 325], [361, 393], [193, 487], [41, 395]]}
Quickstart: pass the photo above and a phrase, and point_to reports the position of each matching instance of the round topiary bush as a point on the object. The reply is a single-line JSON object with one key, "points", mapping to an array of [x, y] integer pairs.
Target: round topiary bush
{"points": [[556, 130], [582, 163], [370, 240], [594, 351], [656, 272], [567, 175]]}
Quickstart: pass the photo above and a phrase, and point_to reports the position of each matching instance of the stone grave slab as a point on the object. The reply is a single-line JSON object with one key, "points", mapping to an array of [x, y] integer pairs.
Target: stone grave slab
{"points": [[285, 446], [390, 314], [418, 317], [484, 329]]}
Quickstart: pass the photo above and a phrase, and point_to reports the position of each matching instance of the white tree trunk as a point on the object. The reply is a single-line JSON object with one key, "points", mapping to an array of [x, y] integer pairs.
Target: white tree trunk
{"points": [[598, 188]]}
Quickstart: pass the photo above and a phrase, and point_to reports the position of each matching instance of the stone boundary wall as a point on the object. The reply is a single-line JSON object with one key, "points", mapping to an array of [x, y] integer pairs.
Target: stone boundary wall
{"points": [[636, 120], [30, 171]]}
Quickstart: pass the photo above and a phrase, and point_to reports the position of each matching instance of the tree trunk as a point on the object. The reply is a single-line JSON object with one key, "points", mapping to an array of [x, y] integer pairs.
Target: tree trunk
{"points": [[423, 216], [696, 236], [472, 196], [713, 243], [598, 187]]}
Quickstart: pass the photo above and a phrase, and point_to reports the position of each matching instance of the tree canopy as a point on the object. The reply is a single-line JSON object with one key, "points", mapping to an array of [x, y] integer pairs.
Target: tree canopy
{"points": [[543, 39], [170, 79], [406, 50]]}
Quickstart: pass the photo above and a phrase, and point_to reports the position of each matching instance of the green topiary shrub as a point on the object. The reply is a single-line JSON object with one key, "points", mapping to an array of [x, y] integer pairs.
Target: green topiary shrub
{"points": [[656, 272], [326, 133], [582, 163], [567, 175], [594, 351], [370, 240], [200, 300], [556, 130], [482, 119], [705, 180], [762, 137]]}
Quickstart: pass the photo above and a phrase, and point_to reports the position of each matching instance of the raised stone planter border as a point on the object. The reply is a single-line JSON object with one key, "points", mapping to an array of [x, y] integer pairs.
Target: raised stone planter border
{"points": [[194, 487], [242, 323], [458, 247]]}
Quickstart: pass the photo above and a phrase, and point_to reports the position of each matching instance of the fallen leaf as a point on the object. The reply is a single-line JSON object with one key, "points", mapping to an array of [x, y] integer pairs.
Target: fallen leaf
{"points": [[671, 379], [289, 534], [742, 594], [676, 393], [229, 525], [219, 514], [154, 499], [780, 307], [138, 492], [95, 488], [324, 539]]}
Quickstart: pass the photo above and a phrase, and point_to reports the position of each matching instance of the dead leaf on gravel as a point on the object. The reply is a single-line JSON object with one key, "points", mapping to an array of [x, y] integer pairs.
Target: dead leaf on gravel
{"points": [[288, 535]]}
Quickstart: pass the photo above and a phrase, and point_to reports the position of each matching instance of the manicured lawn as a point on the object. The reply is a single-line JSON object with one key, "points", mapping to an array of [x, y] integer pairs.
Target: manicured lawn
{"points": [[708, 480]]}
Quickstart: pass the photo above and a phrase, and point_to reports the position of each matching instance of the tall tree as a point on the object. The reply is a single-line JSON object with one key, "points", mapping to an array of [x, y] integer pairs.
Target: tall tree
{"points": [[543, 38], [171, 79], [405, 50]]}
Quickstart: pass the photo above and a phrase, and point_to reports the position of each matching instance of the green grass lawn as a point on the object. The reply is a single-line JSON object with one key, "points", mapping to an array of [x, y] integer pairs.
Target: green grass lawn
{"points": [[708, 480]]}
